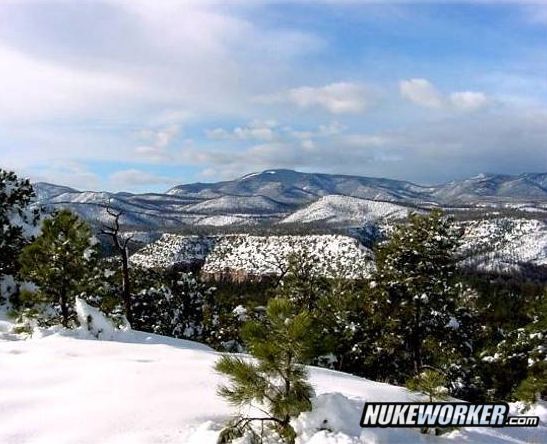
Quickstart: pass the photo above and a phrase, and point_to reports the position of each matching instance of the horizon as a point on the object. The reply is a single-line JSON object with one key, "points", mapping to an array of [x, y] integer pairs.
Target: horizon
{"points": [[141, 96], [254, 173]]}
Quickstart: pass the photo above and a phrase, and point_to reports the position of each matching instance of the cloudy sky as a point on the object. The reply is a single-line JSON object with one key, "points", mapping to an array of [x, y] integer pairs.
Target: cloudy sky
{"points": [[141, 95]]}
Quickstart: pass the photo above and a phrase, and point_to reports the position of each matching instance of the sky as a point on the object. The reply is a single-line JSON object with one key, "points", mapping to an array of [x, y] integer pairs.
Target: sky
{"points": [[140, 95]]}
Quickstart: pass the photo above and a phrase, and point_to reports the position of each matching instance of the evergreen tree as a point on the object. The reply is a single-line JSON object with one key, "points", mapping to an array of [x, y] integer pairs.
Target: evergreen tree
{"points": [[276, 380], [174, 304], [102, 287], [341, 319], [416, 293], [58, 260], [432, 384], [516, 366], [336, 305], [508, 330], [534, 387], [307, 288], [302, 283], [17, 221]]}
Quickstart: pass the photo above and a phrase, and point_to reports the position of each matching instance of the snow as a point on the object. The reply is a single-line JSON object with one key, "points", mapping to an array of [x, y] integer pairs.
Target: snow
{"points": [[241, 312], [490, 244], [68, 387], [503, 244], [345, 210], [257, 255], [274, 195], [237, 204], [92, 322], [335, 255], [248, 176], [225, 220], [173, 249]]}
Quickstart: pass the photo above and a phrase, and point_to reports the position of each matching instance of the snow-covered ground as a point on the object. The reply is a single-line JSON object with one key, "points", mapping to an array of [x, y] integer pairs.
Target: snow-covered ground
{"points": [[346, 210], [502, 244], [67, 390], [133, 387], [257, 255], [334, 255], [172, 249]]}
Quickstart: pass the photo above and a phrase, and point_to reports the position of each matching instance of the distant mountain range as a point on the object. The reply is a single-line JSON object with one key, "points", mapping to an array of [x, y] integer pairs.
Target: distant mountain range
{"points": [[286, 196]]}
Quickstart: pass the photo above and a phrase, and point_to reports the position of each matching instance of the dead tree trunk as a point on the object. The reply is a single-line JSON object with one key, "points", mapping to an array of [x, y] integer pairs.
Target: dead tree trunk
{"points": [[121, 245]]}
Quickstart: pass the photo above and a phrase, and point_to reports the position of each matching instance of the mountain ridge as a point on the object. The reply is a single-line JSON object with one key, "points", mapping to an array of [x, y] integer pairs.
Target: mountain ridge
{"points": [[274, 195]]}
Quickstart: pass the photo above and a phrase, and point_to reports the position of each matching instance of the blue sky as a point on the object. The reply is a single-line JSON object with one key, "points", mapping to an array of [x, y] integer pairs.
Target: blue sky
{"points": [[142, 95]]}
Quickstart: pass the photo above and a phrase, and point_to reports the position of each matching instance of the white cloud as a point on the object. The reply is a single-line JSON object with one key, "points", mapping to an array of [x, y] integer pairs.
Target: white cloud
{"points": [[189, 55], [134, 177], [331, 129], [271, 132], [156, 150], [255, 130], [32, 88], [421, 92], [324, 130], [68, 173], [308, 144], [70, 92], [337, 98], [511, 142], [468, 100]]}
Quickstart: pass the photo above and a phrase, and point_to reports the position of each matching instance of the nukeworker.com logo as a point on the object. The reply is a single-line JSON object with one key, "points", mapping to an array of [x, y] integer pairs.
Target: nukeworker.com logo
{"points": [[442, 414]]}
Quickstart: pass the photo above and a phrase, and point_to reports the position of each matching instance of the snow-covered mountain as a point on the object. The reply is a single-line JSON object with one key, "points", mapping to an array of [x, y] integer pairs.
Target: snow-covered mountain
{"points": [[289, 186], [247, 256], [292, 187], [517, 237], [505, 244], [499, 244], [274, 196], [494, 188], [345, 210], [172, 250]]}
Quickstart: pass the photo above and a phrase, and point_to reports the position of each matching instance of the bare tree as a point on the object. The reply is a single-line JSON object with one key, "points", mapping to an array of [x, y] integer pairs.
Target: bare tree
{"points": [[120, 243]]}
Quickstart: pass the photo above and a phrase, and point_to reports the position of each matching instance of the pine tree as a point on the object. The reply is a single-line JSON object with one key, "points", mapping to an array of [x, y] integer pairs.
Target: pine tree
{"points": [[302, 283], [431, 383], [174, 304], [416, 291], [58, 260], [459, 356], [516, 366], [17, 221], [340, 319], [102, 287], [275, 382], [534, 387]]}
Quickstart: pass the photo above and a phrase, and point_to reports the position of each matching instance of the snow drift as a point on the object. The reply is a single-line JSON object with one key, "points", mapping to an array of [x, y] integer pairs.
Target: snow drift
{"points": [[68, 387]]}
